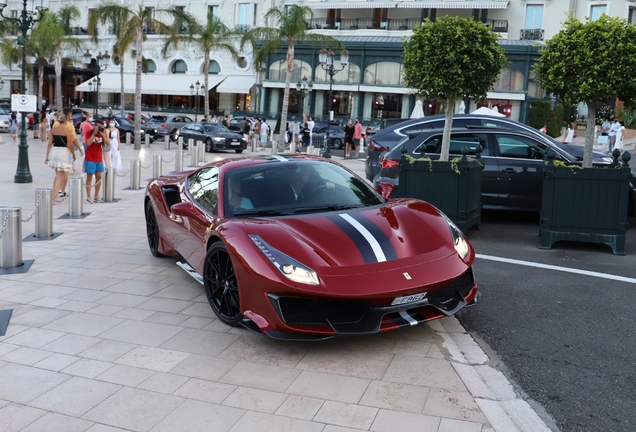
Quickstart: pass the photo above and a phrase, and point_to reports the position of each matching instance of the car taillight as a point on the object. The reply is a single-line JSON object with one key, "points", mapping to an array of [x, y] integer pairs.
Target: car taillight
{"points": [[389, 163], [163, 126], [377, 147], [385, 189]]}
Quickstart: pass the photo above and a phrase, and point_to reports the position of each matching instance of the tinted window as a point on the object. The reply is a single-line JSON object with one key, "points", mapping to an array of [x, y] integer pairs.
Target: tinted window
{"points": [[519, 147], [186, 119], [214, 128], [203, 187], [457, 142], [124, 122], [159, 118]]}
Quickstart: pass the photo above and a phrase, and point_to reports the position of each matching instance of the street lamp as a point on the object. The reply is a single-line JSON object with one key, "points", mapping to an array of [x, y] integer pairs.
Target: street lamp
{"points": [[303, 87], [31, 13], [196, 90], [102, 64], [326, 62]]}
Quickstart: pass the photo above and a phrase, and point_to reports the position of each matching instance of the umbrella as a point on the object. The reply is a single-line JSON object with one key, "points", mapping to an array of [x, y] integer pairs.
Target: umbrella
{"points": [[462, 108], [487, 111], [418, 111]]}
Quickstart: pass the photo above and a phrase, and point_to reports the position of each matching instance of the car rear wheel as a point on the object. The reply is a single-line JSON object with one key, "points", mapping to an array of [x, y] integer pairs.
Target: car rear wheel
{"points": [[208, 145], [221, 287], [152, 230], [173, 136], [337, 144]]}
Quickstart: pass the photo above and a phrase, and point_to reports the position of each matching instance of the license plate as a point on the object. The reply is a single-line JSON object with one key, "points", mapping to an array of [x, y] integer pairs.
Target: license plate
{"points": [[408, 299], [234, 142]]}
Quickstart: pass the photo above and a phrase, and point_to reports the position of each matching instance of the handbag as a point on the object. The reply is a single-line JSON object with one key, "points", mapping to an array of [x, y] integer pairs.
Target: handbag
{"points": [[603, 139]]}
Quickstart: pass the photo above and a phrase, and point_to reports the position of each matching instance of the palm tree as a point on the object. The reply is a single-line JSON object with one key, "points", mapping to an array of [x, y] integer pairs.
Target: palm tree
{"points": [[55, 29], [290, 28], [214, 35], [134, 19]]}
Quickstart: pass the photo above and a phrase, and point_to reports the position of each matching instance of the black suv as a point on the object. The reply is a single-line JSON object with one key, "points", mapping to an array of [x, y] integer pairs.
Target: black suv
{"points": [[513, 161]]}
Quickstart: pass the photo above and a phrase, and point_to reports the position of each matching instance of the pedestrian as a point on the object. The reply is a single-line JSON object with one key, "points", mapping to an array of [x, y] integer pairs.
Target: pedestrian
{"points": [[215, 119], [605, 127], [226, 121], [615, 126], [93, 162], [44, 126], [36, 124], [57, 155], [620, 135], [569, 134], [71, 130], [106, 147], [257, 132], [544, 129], [86, 127], [310, 124], [115, 153], [13, 125], [348, 138], [264, 132], [305, 132], [357, 136]]}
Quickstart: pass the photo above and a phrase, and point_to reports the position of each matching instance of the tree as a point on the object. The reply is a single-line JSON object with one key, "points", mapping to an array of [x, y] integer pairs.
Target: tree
{"points": [[55, 29], [135, 20], [214, 35], [590, 62], [452, 58], [290, 28]]}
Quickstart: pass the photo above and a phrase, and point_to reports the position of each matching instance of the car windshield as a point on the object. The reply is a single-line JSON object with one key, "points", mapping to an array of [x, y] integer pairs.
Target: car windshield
{"points": [[292, 188], [215, 128], [124, 122], [158, 119]]}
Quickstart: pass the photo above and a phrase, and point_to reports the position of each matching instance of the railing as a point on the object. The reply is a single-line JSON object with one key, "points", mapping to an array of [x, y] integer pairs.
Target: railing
{"points": [[532, 34], [497, 26]]}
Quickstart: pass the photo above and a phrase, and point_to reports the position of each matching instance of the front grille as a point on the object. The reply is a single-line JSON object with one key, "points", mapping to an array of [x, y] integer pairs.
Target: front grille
{"points": [[313, 312], [448, 292]]}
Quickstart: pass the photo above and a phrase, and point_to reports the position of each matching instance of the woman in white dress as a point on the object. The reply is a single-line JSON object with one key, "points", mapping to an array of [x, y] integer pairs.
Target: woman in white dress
{"points": [[620, 133], [115, 155], [569, 134]]}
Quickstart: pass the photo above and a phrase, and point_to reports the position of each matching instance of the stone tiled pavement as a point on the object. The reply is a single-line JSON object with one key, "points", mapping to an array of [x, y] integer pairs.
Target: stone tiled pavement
{"points": [[106, 337]]}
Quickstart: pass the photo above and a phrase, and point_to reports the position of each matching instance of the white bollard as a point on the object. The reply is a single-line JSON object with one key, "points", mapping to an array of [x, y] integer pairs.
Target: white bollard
{"points": [[11, 241], [135, 174], [157, 166], [166, 144], [76, 196], [43, 213]]}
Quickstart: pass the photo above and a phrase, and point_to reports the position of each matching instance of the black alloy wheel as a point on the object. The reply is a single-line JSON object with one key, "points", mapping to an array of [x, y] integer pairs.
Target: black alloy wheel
{"points": [[337, 144], [208, 145], [152, 230], [221, 287]]}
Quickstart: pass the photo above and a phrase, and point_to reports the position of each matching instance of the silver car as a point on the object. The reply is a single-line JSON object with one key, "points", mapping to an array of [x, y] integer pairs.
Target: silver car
{"points": [[4, 120]]}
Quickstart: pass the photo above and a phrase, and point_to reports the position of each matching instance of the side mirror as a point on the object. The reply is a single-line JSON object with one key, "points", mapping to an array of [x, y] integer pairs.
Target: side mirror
{"points": [[184, 209]]}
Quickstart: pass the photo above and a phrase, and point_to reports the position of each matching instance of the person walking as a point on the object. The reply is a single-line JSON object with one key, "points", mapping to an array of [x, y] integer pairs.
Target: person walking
{"points": [[13, 125], [115, 153], [569, 134], [57, 155], [93, 162], [44, 126], [349, 130], [36, 124], [264, 133], [620, 134], [71, 130], [257, 132], [357, 136]]}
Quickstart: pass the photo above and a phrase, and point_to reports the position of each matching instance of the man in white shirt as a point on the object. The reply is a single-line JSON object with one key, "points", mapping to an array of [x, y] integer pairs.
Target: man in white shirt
{"points": [[264, 132], [310, 124], [612, 134]]}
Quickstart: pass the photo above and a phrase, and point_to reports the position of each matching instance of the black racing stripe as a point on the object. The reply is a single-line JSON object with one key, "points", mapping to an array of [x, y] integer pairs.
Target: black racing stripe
{"points": [[380, 236], [363, 245], [397, 318]]}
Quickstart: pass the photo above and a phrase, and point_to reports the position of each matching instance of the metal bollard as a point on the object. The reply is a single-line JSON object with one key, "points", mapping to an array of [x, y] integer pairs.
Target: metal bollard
{"points": [[201, 148], [43, 213], [11, 241], [166, 143], [178, 160], [76, 196], [135, 174], [254, 143], [180, 142], [274, 146], [190, 143], [292, 147], [194, 155], [127, 138], [147, 138], [109, 185], [157, 167]]}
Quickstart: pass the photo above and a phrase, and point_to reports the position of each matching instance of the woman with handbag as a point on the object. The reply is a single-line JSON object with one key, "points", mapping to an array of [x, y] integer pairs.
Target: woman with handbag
{"points": [[59, 148]]}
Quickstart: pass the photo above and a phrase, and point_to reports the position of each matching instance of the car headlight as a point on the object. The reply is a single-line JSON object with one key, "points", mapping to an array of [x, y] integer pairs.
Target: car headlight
{"points": [[289, 267], [219, 139], [459, 241]]}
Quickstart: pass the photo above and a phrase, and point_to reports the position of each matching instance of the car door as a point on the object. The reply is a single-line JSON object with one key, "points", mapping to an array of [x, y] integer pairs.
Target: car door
{"points": [[186, 132], [521, 160]]}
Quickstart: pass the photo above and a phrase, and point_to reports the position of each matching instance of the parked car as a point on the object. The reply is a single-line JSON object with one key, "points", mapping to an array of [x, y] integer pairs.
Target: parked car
{"points": [[336, 135], [390, 122], [214, 135], [124, 126], [4, 119], [168, 124], [513, 160], [334, 258], [235, 123], [387, 138]]}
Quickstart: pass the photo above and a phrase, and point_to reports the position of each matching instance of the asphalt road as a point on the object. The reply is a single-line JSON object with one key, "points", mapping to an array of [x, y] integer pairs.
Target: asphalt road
{"points": [[568, 340]]}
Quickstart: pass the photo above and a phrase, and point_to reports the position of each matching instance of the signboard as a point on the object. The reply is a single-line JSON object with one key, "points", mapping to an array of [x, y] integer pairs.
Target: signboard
{"points": [[24, 103]]}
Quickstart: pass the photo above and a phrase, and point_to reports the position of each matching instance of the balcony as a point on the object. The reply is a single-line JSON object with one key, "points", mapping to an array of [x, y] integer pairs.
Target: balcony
{"points": [[532, 34], [498, 26], [364, 23]]}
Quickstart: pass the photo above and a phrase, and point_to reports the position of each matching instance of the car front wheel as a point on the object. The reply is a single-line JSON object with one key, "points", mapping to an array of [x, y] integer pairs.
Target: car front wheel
{"points": [[221, 287], [152, 230], [337, 144], [208, 145]]}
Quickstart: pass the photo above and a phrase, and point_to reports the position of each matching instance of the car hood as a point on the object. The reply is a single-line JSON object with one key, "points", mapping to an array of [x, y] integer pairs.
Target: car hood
{"points": [[578, 150], [402, 232], [224, 135]]}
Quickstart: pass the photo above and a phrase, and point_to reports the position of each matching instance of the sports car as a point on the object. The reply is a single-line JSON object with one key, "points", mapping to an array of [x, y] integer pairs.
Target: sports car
{"points": [[300, 248]]}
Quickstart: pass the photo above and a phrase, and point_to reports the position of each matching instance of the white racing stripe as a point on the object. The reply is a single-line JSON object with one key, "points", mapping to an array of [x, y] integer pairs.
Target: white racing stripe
{"points": [[280, 158], [377, 249], [408, 317], [557, 268]]}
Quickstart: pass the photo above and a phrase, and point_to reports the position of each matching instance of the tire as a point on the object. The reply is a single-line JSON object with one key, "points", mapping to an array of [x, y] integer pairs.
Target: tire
{"points": [[208, 145], [238, 150], [152, 230], [221, 287], [337, 144], [173, 136]]}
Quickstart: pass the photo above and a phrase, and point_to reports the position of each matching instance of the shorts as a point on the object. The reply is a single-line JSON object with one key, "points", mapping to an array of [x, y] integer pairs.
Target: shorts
{"points": [[305, 142], [264, 138], [356, 142], [93, 167]]}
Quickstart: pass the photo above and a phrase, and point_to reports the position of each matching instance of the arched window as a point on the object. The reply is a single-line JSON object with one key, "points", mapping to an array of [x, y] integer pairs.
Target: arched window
{"points": [[383, 73], [300, 69], [349, 75], [151, 66], [509, 80], [179, 67], [213, 69]]}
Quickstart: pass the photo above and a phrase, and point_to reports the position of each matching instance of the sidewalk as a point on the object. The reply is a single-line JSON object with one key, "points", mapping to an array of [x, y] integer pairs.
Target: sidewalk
{"points": [[105, 337]]}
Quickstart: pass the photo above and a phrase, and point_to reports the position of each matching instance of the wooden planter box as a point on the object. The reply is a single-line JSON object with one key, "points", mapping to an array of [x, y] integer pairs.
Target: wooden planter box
{"points": [[452, 187], [585, 205]]}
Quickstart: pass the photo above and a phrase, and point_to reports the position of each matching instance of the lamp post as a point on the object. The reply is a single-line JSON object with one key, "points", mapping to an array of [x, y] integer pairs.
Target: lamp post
{"points": [[326, 62], [196, 90], [29, 17], [303, 87], [102, 64]]}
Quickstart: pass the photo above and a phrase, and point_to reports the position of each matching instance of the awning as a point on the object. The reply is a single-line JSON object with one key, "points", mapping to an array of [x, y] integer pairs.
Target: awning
{"points": [[351, 5], [174, 84], [520, 96], [317, 86], [382, 89], [470, 4], [240, 84]]}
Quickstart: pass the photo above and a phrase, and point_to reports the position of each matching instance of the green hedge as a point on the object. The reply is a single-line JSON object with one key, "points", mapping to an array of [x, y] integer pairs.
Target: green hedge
{"points": [[541, 114]]}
